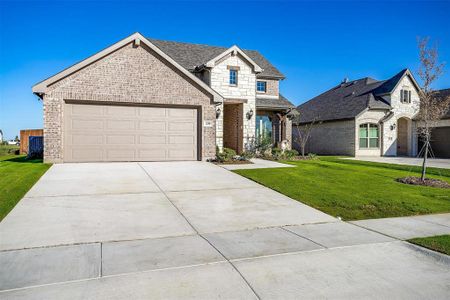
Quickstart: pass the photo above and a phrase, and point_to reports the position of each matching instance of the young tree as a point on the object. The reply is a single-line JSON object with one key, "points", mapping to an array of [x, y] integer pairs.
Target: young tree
{"points": [[432, 107], [302, 135]]}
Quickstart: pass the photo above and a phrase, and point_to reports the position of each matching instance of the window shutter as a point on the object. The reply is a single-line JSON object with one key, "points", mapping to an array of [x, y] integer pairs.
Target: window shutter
{"points": [[409, 96]]}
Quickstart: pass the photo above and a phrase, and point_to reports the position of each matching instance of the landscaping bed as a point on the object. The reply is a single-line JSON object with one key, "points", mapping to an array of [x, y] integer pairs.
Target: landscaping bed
{"points": [[432, 182]]}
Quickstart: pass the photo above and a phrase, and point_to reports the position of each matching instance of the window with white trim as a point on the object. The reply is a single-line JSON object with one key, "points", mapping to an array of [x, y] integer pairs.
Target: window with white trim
{"points": [[233, 77], [261, 86], [368, 136], [405, 96]]}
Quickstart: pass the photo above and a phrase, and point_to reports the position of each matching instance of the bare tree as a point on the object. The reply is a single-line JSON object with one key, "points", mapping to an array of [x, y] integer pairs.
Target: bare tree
{"points": [[303, 133], [432, 107]]}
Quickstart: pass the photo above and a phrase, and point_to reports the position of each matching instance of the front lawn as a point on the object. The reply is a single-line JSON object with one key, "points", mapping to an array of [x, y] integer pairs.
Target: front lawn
{"points": [[17, 176], [355, 190], [8, 150], [440, 243]]}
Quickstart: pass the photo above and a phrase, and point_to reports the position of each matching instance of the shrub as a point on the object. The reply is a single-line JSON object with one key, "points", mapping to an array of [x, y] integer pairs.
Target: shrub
{"points": [[290, 154], [247, 155], [277, 153], [312, 156], [226, 155]]}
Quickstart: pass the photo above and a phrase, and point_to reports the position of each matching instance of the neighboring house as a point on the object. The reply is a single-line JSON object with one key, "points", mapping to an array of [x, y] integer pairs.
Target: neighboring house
{"points": [[151, 100], [440, 135], [364, 117]]}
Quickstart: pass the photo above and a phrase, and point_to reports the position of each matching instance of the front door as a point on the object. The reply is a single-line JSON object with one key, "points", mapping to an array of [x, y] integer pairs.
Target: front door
{"points": [[402, 137], [233, 127]]}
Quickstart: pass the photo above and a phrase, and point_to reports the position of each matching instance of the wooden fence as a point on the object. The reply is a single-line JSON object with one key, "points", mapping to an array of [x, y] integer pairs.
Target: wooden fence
{"points": [[24, 134]]}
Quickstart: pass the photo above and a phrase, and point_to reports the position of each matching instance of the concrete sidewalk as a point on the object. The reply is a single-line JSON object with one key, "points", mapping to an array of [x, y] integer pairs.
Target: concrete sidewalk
{"points": [[409, 227], [412, 161], [195, 230]]}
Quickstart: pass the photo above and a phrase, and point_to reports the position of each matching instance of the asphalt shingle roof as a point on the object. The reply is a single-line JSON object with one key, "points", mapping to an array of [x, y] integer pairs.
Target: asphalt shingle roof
{"points": [[347, 100], [281, 102], [441, 94], [193, 55]]}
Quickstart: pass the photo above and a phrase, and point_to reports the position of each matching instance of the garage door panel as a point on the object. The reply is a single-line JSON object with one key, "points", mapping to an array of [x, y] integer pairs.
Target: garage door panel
{"points": [[180, 154], [181, 113], [87, 110], [181, 139], [182, 126], [152, 126], [153, 112], [156, 154], [120, 139], [87, 154], [119, 111], [84, 140], [83, 124], [129, 133], [121, 154], [152, 139], [121, 124]]}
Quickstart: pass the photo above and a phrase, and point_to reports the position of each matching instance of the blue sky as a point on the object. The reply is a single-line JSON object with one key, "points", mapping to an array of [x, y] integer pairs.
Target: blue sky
{"points": [[315, 44]]}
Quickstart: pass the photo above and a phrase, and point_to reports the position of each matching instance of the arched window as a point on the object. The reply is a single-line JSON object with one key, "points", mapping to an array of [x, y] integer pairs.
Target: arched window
{"points": [[368, 136]]}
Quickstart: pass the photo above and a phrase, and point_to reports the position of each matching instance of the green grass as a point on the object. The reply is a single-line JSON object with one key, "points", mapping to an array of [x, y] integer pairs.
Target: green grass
{"points": [[17, 176], [440, 243], [356, 190], [8, 149]]}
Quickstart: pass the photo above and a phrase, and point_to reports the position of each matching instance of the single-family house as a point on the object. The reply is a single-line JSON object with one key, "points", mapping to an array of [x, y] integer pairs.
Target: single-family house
{"points": [[144, 99], [369, 117]]}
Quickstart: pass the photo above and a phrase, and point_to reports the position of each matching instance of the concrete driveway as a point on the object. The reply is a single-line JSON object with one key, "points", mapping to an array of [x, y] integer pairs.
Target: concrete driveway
{"points": [[195, 230]]}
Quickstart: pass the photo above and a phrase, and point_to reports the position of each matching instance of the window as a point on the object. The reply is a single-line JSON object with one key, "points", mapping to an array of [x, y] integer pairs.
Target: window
{"points": [[405, 96], [233, 76], [261, 86], [263, 129], [368, 136]]}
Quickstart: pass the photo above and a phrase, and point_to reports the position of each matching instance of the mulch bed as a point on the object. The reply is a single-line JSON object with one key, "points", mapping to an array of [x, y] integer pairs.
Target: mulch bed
{"points": [[426, 182], [234, 162]]}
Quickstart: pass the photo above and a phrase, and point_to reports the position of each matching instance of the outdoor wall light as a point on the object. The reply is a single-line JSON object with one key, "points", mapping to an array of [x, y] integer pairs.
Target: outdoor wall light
{"points": [[218, 111], [250, 114], [393, 126]]}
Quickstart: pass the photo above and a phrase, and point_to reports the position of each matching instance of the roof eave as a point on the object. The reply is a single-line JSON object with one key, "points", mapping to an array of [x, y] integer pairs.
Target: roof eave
{"points": [[42, 87]]}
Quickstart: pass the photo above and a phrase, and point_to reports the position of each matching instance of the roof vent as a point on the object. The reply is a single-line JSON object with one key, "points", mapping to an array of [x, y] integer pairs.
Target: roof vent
{"points": [[345, 80]]}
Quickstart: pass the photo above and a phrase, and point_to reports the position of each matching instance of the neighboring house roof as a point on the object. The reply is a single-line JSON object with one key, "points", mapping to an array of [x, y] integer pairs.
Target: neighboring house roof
{"points": [[349, 99], [274, 103], [192, 56], [441, 94], [136, 38]]}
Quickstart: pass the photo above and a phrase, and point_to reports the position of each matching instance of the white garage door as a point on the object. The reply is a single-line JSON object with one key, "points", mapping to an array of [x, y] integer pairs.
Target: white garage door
{"points": [[129, 133]]}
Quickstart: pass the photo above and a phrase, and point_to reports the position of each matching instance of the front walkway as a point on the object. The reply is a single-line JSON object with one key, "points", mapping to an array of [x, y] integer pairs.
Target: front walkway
{"points": [[257, 163], [195, 230], [412, 161]]}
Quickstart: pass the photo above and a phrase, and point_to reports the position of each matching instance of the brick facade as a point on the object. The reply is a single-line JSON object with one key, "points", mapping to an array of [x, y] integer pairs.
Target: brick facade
{"points": [[128, 75], [272, 87]]}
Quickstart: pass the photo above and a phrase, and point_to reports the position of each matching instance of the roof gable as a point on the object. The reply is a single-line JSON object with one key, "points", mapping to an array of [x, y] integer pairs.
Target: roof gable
{"points": [[136, 38], [391, 84], [234, 50], [192, 56]]}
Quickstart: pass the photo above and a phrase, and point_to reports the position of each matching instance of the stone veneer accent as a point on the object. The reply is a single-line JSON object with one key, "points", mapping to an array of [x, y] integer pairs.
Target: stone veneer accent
{"points": [[128, 75], [245, 90]]}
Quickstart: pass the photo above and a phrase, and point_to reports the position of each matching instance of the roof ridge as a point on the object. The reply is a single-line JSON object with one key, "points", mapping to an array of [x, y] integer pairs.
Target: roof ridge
{"points": [[203, 45]]}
